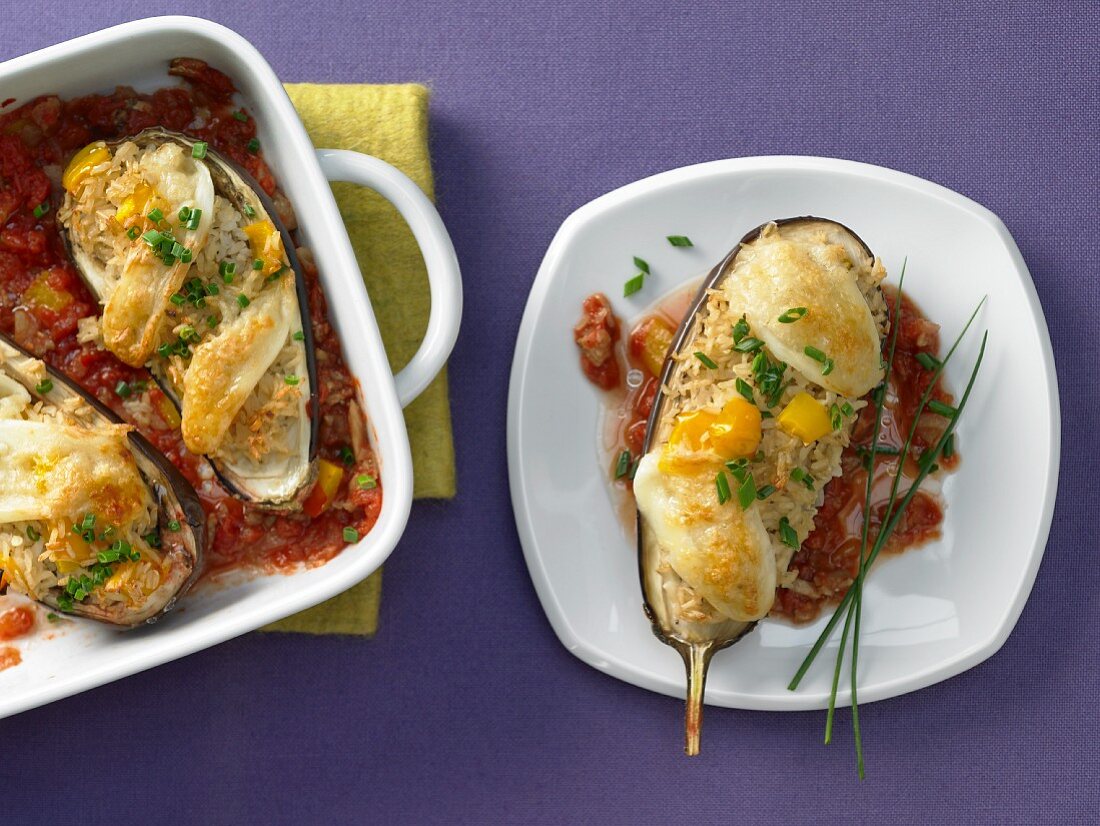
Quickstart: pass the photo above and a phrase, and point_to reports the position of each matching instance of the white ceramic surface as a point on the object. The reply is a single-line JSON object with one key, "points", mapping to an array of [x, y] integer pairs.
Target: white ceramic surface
{"points": [[929, 614], [86, 654]]}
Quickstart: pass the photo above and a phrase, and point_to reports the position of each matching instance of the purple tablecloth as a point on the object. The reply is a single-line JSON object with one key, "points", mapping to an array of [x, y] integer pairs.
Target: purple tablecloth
{"points": [[465, 706]]}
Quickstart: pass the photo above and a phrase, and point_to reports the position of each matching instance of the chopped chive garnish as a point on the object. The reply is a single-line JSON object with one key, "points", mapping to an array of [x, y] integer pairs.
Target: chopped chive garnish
{"points": [[299, 335], [740, 329], [152, 238], [184, 213], [680, 241], [814, 353], [173, 525], [241, 116], [633, 285], [155, 215], [193, 221], [941, 408], [765, 492], [948, 447], [928, 361], [291, 379], [799, 475], [43, 387], [227, 269], [847, 409], [351, 535], [708, 362], [787, 535], [152, 539], [249, 210], [32, 533], [212, 288], [748, 344], [641, 264], [41, 210], [346, 455], [242, 301], [89, 521], [64, 603], [253, 146], [835, 417], [198, 150], [132, 233], [257, 264], [746, 494], [622, 465], [827, 367], [164, 350], [366, 482], [211, 321], [123, 390], [186, 256], [745, 389], [722, 485], [792, 315]]}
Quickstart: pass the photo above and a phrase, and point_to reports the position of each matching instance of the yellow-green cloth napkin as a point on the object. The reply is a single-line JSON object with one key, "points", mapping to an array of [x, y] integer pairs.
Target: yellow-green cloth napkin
{"points": [[389, 122]]}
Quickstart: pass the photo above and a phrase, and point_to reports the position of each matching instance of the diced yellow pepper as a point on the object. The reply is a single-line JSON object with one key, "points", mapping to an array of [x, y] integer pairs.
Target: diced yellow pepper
{"points": [[266, 245], [81, 548], [168, 412], [657, 339], [736, 431], [138, 204], [83, 163], [731, 433], [805, 418], [40, 293], [66, 566], [329, 476]]}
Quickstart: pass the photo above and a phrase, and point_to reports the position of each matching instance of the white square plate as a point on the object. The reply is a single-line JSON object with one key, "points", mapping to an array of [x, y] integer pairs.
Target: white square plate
{"points": [[928, 614]]}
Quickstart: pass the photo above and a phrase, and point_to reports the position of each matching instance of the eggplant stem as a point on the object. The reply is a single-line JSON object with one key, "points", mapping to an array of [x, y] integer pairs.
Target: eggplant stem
{"points": [[696, 661]]}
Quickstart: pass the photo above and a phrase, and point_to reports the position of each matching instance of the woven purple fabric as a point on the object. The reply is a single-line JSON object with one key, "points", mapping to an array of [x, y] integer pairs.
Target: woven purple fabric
{"points": [[465, 707]]}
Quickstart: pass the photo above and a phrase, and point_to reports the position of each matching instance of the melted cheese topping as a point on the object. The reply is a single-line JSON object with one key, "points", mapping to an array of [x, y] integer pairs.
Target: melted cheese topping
{"points": [[56, 472], [134, 310], [721, 550], [810, 267], [225, 369]]}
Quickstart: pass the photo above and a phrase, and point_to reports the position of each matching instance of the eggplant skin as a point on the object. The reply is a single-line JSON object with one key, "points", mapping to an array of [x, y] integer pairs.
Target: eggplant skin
{"points": [[175, 500]]}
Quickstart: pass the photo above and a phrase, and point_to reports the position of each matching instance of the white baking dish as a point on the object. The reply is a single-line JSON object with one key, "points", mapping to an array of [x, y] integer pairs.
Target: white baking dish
{"points": [[87, 654]]}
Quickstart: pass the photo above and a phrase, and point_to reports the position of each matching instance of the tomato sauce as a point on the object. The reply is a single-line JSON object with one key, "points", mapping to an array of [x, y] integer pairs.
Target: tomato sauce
{"points": [[42, 299], [16, 622], [829, 557]]}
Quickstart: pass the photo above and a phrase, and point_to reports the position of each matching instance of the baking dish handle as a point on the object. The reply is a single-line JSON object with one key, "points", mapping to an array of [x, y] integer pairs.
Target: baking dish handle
{"points": [[444, 278]]}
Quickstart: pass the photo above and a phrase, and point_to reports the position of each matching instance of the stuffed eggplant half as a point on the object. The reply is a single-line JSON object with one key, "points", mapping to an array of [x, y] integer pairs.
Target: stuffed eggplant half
{"points": [[199, 281], [758, 397], [94, 521]]}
